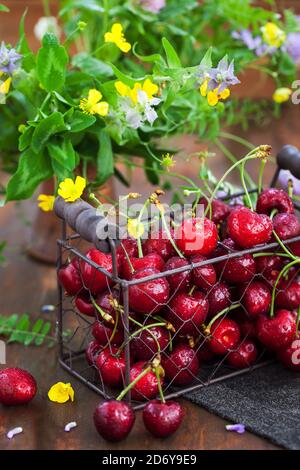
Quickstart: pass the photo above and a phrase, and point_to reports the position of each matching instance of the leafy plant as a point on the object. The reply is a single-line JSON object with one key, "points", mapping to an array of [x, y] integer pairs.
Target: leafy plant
{"points": [[19, 329]]}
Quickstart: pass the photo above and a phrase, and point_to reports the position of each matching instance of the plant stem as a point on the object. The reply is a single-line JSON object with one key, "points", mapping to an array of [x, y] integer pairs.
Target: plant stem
{"points": [[248, 199], [161, 393], [282, 273], [261, 173], [166, 228], [106, 316], [285, 249], [133, 383], [235, 138], [220, 314], [143, 328]]}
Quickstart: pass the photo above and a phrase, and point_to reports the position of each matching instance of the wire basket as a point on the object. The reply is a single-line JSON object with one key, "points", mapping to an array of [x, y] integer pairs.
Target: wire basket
{"points": [[127, 331]]}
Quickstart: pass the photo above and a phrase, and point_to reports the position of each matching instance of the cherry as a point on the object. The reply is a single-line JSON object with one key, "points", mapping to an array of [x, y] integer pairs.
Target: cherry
{"points": [[277, 332], [147, 386], [127, 246], [295, 248], [225, 336], [204, 354], [181, 365], [290, 356], [148, 296], [17, 386], [159, 243], [220, 210], [205, 276], [162, 419], [114, 420], [103, 334], [196, 236], [273, 198], [219, 298], [286, 226], [111, 366], [244, 356], [236, 270], [187, 312], [289, 297], [152, 260], [180, 280], [145, 345], [91, 351], [93, 279], [268, 265], [256, 298], [69, 277], [105, 302], [246, 324], [84, 304], [247, 229]]}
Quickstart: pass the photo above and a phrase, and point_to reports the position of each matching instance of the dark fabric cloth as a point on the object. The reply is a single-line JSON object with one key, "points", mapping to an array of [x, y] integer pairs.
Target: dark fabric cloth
{"points": [[266, 401]]}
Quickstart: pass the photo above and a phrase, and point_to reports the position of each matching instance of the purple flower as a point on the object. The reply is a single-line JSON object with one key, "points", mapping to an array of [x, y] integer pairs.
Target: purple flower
{"points": [[9, 59], [284, 178], [292, 46], [223, 75], [239, 428], [153, 5], [247, 38]]}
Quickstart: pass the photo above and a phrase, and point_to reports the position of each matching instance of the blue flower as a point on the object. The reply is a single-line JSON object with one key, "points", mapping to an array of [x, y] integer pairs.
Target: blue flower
{"points": [[239, 428], [223, 76], [248, 39], [9, 59]]}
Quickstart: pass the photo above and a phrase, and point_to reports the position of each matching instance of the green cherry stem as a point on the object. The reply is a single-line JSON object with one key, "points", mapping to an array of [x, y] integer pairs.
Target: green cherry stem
{"points": [[248, 199], [220, 314], [267, 253], [103, 314], [260, 175], [133, 383], [282, 245], [143, 328], [161, 393], [280, 275], [166, 228]]}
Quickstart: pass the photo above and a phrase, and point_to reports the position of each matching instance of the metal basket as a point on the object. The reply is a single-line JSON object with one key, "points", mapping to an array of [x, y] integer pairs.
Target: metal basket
{"points": [[74, 328]]}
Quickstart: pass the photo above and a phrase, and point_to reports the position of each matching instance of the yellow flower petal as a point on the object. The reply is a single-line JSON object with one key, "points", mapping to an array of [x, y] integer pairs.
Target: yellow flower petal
{"points": [[150, 88], [117, 29], [117, 37], [109, 37], [61, 392], [71, 191], [224, 94], [121, 88], [135, 228], [80, 184], [94, 96], [100, 108], [281, 95], [273, 35], [5, 86], [212, 98], [124, 46], [203, 88], [46, 202]]}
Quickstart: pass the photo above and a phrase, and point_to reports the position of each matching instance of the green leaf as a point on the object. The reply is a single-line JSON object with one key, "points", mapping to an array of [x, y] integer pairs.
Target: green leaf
{"points": [[206, 62], [63, 152], [45, 129], [150, 170], [19, 333], [7, 323], [32, 170], [172, 57], [35, 330], [124, 78], [25, 138], [92, 66], [81, 121], [89, 5], [152, 58], [4, 8], [19, 330], [45, 330], [52, 62], [105, 159]]}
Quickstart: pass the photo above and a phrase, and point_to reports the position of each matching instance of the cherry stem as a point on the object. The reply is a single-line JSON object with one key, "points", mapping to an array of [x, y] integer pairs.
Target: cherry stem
{"points": [[257, 255], [280, 275], [192, 290], [290, 188], [166, 228], [248, 198], [115, 327], [261, 174], [133, 383], [127, 258], [285, 249], [143, 328], [161, 393], [220, 314], [106, 316]]}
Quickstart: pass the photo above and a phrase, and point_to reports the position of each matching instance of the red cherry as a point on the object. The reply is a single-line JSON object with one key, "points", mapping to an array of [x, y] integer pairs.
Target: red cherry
{"points": [[84, 304], [181, 365], [179, 281], [273, 198], [256, 298], [204, 354], [277, 332], [145, 345], [153, 260], [149, 296], [290, 355], [244, 356], [69, 277], [246, 324], [235, 270], [225, 336], [147, 386], [159, 243], [127, 246], [114, 420], [289, 296], [91, 351], [295, 248], [187, 313], [162, 419], [93, 279], [220, 210], [219, 298], [267, 265], [105, 302], [205, 276], [103, 334], [286, 226], [17, 386], [247, 229], [111, 366], [196, 236]]}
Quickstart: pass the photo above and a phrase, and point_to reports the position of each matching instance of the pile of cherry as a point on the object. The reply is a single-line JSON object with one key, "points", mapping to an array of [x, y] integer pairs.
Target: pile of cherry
{"points": [[220, 311]]}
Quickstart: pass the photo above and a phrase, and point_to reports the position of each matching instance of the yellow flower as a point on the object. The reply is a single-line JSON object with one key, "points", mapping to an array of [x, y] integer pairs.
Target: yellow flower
{"points": [[213, 96], [135, 228], [224, 94], [203, 88], [46, 203], [71, 191], [273, 35], [5, 86], [116, 36], [168, 161], [92, 104], [61, 392], [148, 87], [281, 95]]}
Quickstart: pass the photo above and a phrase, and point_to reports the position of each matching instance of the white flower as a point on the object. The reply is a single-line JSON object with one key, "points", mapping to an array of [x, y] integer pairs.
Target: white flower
{"points": [[46, 24]]}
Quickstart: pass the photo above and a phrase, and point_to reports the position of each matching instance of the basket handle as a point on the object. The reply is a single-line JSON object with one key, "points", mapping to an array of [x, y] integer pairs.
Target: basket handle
{"points": [[288, 158], [84, 220]]}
